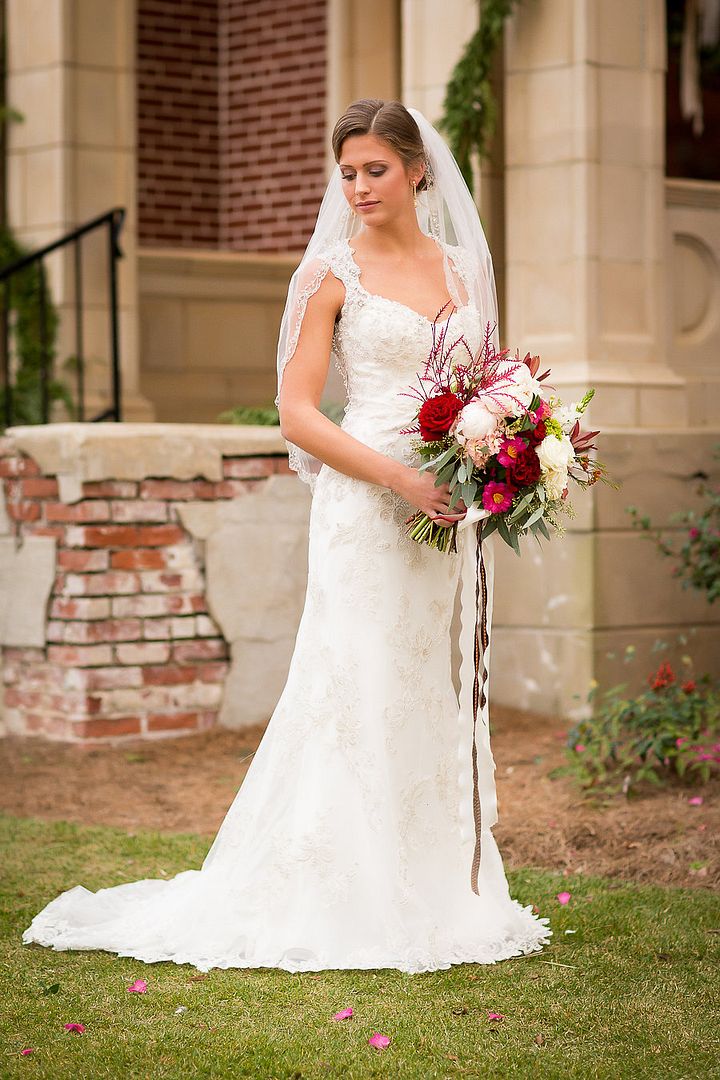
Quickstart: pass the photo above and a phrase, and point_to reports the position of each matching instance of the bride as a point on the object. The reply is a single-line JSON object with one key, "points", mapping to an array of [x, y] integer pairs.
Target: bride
{"points": [[361, 835]]}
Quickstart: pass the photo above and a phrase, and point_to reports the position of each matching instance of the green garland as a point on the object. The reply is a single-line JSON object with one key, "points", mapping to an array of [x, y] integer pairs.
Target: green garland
{"points": [[469, 108]]}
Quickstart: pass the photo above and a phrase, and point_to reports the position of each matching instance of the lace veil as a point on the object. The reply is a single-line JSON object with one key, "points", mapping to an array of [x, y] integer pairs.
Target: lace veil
{"points": [[446, 211]]}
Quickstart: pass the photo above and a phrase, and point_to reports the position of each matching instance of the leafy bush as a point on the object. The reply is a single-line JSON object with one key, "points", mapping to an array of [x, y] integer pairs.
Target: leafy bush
{"points": [[671, 729], [697, 561]]}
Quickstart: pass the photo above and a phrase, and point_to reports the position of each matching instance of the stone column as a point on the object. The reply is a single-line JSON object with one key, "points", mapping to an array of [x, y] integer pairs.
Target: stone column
{"points": [[585, 174], [71, 74], [586, 266]]}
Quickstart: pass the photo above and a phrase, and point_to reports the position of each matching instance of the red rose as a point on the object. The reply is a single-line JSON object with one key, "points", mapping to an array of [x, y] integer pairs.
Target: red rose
{"points": [[437, 414], [525, 470], [536, 434]]}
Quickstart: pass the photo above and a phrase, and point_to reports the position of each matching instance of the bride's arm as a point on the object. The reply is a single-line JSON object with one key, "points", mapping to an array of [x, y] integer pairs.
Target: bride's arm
{"points": [[302, 423]]}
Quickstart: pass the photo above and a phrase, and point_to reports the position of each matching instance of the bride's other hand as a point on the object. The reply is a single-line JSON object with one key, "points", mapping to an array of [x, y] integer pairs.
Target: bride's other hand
{"points": [[420, 490]]}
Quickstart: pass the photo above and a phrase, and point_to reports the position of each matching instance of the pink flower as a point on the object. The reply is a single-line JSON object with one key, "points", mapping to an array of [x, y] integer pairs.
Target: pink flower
{"points": [[75, 1027], [680, 740], [380, 1042], [510, 450], [138, 987], [497, 497], [496, 1016], [694, 533], [580, 747], [697, 800], [563, 897], [478, 452], [344, 1014], [543, 410], [27, 1050]]}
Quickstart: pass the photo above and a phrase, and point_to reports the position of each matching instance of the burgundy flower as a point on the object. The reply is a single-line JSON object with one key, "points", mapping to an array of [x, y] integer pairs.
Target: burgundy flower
{"points": [[437, 414], [536, 434], [525, 470]]}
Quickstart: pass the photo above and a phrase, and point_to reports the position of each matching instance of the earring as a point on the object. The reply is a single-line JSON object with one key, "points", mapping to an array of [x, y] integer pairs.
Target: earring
{"points": [[414, 187]]}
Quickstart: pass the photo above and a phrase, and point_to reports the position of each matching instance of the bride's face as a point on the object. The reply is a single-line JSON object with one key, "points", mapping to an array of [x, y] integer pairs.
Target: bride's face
{"points": [[375, 180]]}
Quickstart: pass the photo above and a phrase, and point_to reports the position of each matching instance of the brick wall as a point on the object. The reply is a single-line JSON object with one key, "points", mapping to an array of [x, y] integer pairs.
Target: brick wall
{"points": [[231, 122], [178, 181], [131, 648], [273, 122]]}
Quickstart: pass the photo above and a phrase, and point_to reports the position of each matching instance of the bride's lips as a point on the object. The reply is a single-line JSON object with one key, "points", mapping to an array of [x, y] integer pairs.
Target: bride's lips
{"points": [[366, 205]]}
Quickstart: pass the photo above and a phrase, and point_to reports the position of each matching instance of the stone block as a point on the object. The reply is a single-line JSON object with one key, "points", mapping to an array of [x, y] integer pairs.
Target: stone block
{"points": [[26, 579]]}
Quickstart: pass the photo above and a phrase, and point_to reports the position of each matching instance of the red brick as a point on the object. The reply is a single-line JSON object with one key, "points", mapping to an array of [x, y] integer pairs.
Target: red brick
{"points": [[103, 727], [89, 510], [23, 511], [143, 652], [139, 559], [139, 510], [208, 649], [39, 487], [177, 490], [157, 604], [168, 675], [57, 531], [80, 655], [124, 536], [80, 608], [112, 583], [108, 678], [83, 560], [172, 721], [82, 633], [242, 468], [109, 489]]}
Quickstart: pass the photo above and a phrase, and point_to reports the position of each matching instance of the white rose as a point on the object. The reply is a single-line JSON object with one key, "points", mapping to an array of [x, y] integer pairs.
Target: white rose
{"points": [[556, 455], [554, 482], [475, 421]]}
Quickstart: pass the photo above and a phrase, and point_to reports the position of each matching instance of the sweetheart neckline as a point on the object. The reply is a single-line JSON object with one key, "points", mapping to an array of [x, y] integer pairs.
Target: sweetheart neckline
{"points": [[399, 303]]}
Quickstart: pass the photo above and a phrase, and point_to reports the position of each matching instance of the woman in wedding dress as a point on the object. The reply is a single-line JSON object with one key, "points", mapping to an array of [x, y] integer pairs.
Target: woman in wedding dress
{"points": [[361, 835]]}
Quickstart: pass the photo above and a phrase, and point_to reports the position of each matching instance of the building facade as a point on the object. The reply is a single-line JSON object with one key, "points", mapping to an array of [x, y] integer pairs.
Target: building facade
{"points": [[209, 122]]}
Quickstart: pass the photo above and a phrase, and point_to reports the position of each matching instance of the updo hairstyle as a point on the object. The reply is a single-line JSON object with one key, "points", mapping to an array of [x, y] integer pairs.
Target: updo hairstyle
{"points": [[390, 121]]}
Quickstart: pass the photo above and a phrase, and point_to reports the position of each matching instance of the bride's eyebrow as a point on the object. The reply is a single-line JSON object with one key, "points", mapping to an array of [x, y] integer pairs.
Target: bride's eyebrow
{"points": [[377, 161]]}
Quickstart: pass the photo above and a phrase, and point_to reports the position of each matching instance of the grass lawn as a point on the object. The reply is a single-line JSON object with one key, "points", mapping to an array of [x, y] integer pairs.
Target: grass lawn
{"points": [[633, 992]]}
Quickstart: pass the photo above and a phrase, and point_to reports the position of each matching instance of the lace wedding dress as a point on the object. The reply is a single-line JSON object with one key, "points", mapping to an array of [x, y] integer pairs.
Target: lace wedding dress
{"points": [[344, 846]]}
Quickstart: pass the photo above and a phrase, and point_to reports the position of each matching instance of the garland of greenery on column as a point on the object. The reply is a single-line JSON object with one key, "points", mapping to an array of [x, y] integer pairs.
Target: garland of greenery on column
{"points": [[469, 108]]}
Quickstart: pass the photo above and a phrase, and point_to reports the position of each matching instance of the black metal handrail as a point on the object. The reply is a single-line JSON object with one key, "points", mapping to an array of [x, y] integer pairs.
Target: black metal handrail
{"points": [[113, 221]]}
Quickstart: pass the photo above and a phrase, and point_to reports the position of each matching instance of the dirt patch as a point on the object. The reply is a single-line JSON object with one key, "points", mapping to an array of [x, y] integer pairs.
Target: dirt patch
{"points": [[187, 784]]}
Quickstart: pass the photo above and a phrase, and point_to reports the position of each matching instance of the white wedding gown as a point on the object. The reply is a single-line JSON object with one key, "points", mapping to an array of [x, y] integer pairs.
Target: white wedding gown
{"points": [[344, 846]]}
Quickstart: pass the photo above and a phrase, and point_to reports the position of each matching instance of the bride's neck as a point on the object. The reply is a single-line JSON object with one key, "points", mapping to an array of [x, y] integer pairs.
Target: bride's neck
{"points": [[396, 238]]}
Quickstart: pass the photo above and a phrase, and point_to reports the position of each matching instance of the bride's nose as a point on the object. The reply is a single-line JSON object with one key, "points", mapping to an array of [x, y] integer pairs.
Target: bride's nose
{"points": [[361, 186]]}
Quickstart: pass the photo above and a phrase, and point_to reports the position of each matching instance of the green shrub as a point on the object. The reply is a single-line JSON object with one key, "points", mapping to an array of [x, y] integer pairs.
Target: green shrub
{"points": [[670, 730]]}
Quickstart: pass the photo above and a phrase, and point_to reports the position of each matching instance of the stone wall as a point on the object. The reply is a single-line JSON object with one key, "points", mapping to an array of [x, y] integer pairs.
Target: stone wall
{"points": [[148, 583]]}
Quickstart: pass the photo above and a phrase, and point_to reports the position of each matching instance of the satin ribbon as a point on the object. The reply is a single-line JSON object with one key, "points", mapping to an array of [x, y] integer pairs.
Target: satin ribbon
{"points": [[476, 765]]}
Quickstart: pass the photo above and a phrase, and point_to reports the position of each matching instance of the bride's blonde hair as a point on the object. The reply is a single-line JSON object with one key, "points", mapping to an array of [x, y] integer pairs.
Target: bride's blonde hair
{"points": [[388, 120]]}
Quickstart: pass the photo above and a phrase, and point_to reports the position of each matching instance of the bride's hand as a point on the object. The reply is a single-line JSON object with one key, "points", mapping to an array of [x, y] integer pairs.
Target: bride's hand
{"points": [[419, 489]]}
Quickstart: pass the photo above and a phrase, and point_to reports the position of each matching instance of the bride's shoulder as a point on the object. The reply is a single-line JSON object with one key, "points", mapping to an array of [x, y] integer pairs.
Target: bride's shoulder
{"points": [[465, 260]]}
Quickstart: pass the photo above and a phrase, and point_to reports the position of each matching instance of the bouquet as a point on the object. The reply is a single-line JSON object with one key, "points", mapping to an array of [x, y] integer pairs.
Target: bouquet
{"points": [[488, 428]]}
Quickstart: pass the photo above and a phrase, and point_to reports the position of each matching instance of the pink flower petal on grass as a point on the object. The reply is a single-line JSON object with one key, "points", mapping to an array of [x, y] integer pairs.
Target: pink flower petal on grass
{"points": [[74, 1027], [697, 800], [27, 1050], [138, 987], [344, 1014], [563, 897], [496, 1016], [379, 1041]]}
